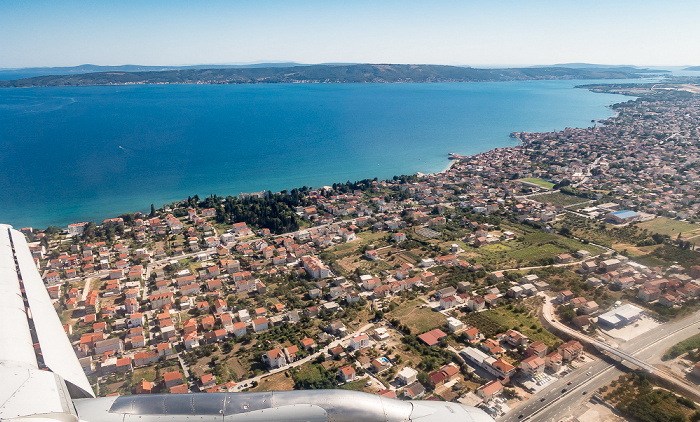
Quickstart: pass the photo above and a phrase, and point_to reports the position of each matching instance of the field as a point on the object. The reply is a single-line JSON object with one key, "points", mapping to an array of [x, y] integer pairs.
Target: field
{"points": [[281, 381], [684, 346], [530, 248], [525, 323], [637, 398], [535, 253], [498, 320], [558, 198], [419, 320], [539, 182], [663, 225], [148, 373], [355, 385]]}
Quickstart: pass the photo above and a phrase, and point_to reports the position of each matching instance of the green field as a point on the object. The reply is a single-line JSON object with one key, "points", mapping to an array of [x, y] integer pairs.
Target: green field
{"points": [[523, 322], [558, 198], [147, 373], [684, 346], [539, 182], [534, 253], [370, 237], [418, 319], [530, 248], [355, 385], [663, 225]]}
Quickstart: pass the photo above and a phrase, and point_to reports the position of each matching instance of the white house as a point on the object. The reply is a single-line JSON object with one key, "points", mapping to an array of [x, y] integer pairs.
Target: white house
{"points": [[359, 342], [274, 359]]}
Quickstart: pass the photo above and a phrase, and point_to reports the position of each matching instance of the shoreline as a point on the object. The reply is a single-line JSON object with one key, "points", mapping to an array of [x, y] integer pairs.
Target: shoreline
{"points": [[448, 166]]}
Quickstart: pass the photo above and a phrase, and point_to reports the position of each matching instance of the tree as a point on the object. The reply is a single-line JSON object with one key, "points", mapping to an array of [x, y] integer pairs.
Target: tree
{"points": [[567, 313], [153, 211]]}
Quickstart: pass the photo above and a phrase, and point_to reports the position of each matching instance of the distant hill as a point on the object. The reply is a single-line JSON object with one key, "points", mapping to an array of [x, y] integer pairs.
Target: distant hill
{"points": [[352, 73], [29, 72], [693, 68], [605, 67]]}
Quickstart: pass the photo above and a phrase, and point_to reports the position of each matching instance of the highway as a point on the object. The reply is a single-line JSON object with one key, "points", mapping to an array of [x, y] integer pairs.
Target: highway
{"points": [[551, 404]]}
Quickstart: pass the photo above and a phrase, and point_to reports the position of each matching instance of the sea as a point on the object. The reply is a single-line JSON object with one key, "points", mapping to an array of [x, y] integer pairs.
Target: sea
{"points": [[72, 154]]}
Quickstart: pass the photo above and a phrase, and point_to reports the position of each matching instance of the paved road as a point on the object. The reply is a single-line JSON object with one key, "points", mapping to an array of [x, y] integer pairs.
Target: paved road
{"points": [[630, 351], [556, 399], [246, 383], [550, 404], [190, 378]]}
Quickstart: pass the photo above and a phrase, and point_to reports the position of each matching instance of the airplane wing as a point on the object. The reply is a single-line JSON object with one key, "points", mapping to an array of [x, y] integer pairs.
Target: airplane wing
{"points": [[43, 381]]}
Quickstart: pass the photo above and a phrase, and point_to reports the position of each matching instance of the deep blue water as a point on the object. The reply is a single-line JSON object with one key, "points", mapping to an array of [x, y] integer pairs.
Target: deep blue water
{"points": [[88, 153]]}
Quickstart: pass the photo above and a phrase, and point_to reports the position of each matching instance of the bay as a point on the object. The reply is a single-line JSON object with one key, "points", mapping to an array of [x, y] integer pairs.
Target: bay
{"points": [[74, 154]]}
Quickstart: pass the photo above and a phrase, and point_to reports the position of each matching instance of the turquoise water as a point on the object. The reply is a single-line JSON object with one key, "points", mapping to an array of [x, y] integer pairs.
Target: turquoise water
{"points": [[87, 153]]}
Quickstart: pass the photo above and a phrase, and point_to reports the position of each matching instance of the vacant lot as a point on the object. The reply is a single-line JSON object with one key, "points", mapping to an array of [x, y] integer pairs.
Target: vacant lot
{"points": [[663, 225], [521, 318], [418, 319], [539, 182], [281, 381], [558, 198], [533, 254], [530, 248], [525, 322], [684, 346]]}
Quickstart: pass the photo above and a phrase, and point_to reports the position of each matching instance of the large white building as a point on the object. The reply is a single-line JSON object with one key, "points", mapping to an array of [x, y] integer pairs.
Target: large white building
{"points": [[620, 316], [76, 229]]}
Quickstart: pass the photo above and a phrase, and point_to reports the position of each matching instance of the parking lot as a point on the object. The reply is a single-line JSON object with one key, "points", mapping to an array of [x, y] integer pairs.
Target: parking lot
{"points": [[632, 330]]}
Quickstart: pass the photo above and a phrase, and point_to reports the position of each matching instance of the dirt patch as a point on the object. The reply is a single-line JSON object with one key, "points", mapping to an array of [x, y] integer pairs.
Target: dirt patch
{"points": [[237, 368], [406, 259], [278, 382], [599, 413]]}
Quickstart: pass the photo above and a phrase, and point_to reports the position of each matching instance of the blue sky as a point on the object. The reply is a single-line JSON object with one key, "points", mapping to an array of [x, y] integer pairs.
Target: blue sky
{"points": [[174, 32]]}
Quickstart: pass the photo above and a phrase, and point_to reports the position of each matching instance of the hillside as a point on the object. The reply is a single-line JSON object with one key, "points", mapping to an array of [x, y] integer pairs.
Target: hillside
{"points": [[357, 73]]}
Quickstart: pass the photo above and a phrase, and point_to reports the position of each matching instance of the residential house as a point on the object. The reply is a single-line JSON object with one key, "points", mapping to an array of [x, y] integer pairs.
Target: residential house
{"points": [[346, 373], [359, 342], [533, 365], [407, 375], [489, 390], [260, 324], [570, 350], [414, 390], [553, 361], [274, 359], [537, 349]]}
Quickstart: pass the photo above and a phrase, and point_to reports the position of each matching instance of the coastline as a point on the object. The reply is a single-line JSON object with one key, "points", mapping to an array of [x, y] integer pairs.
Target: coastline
{"points": [[449, 166], [404, 146]]}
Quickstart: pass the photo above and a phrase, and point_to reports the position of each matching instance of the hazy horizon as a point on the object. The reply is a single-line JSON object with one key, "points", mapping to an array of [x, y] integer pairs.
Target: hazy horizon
{"points": [[293, 63], [43, 33]]}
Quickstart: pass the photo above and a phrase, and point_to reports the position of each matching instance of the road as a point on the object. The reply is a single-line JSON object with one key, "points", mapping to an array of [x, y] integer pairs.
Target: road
{"points": [[553, 403], [631, 351], [246, 383], [185, 369], [152, 265], [550, 404]]}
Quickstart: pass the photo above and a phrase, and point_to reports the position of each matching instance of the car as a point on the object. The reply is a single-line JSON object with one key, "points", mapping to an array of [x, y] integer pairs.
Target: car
{"points": [[588, 373], [542, 399], [368, 383], [585, 392], [568, 383], [520, 416], [563, 390]]}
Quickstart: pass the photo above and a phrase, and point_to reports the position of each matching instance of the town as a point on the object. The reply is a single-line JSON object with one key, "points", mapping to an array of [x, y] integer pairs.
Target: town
{"points": [[508, 281]]}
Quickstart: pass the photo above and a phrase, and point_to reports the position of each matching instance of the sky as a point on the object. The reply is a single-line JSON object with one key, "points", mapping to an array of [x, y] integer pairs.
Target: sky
{"points": [[35, 33]]}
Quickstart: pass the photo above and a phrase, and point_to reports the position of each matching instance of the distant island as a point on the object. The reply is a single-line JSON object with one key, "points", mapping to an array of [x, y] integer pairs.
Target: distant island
{"points": [[352, 73]]}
